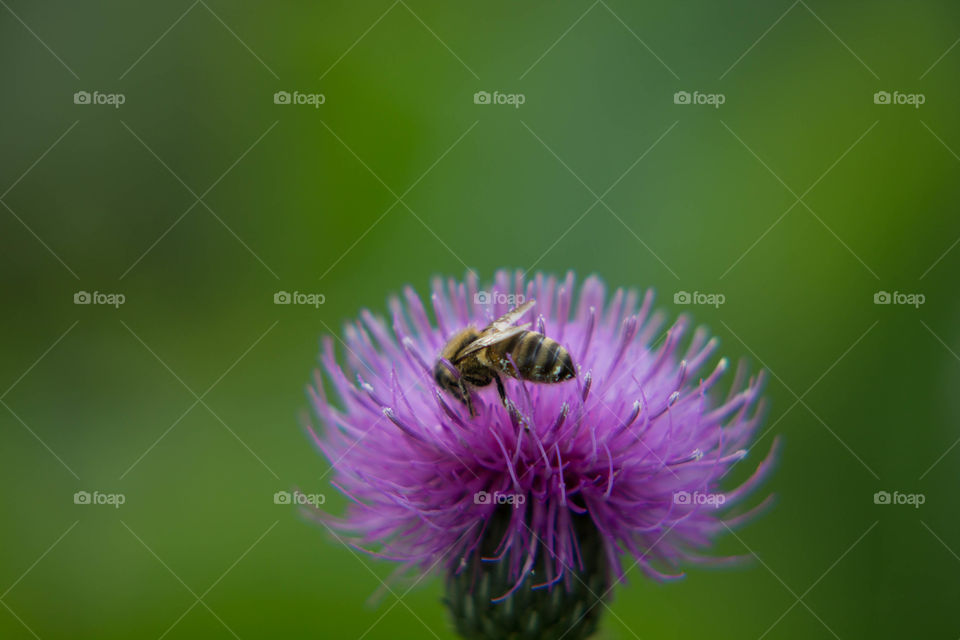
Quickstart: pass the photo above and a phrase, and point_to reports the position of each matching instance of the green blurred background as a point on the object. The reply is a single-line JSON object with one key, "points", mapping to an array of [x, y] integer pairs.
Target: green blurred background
{"points": [[294, 197]]}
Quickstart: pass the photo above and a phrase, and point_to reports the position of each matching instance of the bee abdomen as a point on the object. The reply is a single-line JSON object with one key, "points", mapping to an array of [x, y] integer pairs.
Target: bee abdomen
{"points": [[542, 359]]}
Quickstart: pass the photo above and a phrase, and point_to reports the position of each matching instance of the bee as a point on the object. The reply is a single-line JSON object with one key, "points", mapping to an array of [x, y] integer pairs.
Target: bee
{"points": [[501, 348]]}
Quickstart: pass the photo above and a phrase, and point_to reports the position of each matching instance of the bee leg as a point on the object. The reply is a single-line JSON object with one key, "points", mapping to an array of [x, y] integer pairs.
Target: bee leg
{"points": [[500, 389], [506, 403], [467, 399]]}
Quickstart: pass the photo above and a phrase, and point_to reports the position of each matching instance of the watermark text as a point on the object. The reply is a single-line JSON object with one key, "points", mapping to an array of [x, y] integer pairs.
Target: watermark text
{"points": [[714, 500], [96, 497], [912, 299], [912, 99], [297, 297], [312, 99], [299, 498], [699, 297], [912, 499], [98, 297], [696, 97], [97, 98], [513, 99]]}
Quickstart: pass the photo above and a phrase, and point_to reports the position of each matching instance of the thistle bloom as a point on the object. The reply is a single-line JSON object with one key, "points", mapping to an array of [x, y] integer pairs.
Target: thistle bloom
{"points": [[534, 509]]}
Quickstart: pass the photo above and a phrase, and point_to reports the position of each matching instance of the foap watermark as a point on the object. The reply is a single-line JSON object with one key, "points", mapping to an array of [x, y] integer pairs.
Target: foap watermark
{"points": [[483, 497], [496, 297], [714, 500], [912, 499], [912, 299], [87, 97], [299, 498], [485, 97], [698, 297], [296, 97], [696, 97], [312, 299], [912, 99], [112, 499], [97, 297]]}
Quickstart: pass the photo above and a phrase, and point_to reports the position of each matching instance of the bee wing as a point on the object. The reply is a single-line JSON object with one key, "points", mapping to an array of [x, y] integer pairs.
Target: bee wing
{"points": [[489, 337], [509, 318]]}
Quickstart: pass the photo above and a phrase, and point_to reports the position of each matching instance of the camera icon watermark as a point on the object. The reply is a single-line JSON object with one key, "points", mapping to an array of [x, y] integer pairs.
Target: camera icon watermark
{"points": [[96, 98], [697, 297], [312, 99], [697, 498], [113, 499], [911, 299], [112, 299], [513, 99], [712, 99], [310, 299], [497, 297], [484, 497], [912, 499], [297, 497], [912, 99]]}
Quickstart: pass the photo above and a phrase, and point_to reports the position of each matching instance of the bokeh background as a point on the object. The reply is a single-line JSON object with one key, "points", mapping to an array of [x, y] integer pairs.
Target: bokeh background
{"points": [[199, 198]]}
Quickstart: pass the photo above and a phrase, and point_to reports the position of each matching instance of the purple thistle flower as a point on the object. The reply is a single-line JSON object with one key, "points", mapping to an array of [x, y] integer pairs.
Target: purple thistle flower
{"points": [[567, 483]]}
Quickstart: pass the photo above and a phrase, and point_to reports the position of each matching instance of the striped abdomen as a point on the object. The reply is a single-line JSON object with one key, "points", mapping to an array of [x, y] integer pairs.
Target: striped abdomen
{"points": [[537, 357]]}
